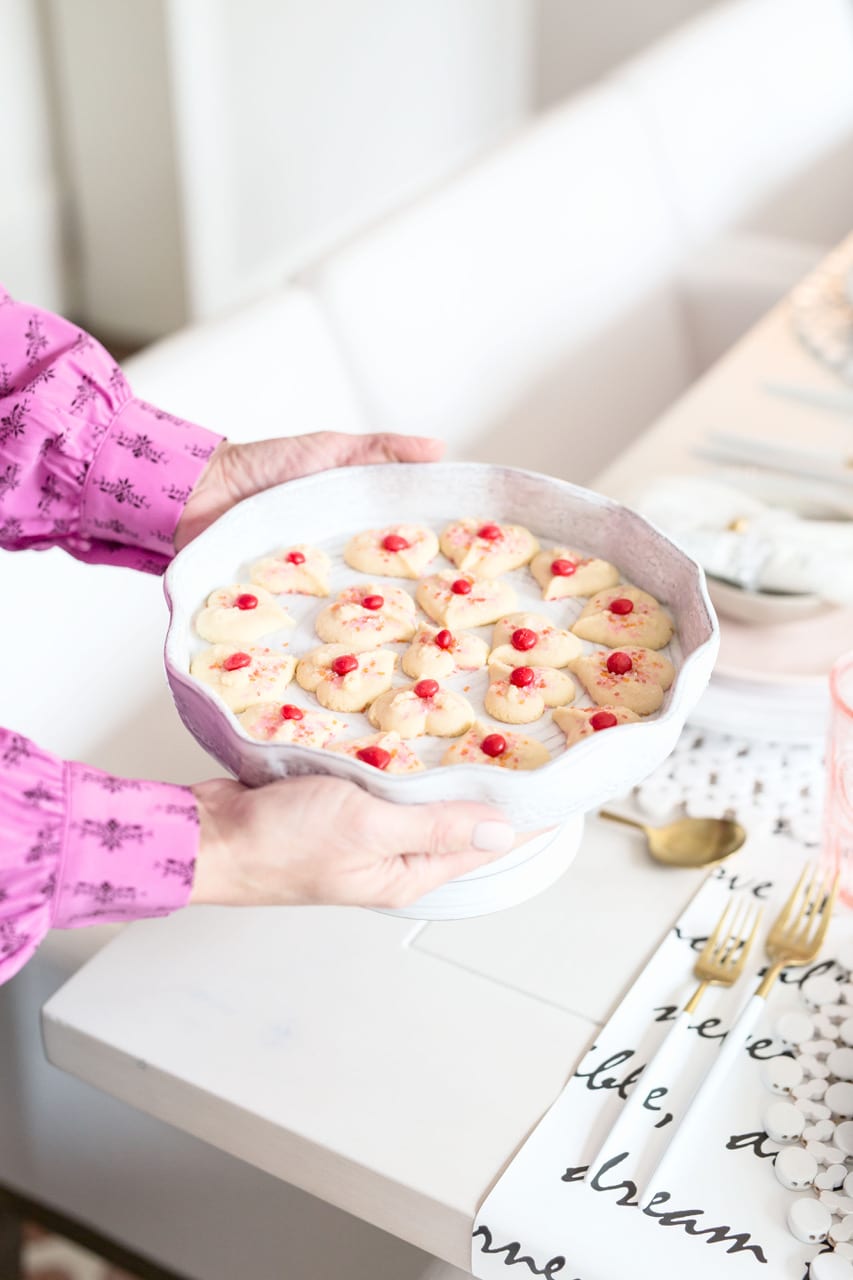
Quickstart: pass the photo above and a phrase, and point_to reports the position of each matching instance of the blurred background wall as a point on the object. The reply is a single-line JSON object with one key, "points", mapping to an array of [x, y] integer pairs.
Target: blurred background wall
{"points": [[166, 160]]}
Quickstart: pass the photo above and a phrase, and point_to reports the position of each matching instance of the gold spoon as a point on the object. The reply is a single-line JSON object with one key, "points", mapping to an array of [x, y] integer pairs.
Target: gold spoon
{"points": [[688, 842]]}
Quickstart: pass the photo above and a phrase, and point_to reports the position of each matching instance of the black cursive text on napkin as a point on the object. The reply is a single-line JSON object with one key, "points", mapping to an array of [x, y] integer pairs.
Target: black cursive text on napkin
{"points": [[512, 1251], [758, 888], [754, 1142], [687, 1219]]}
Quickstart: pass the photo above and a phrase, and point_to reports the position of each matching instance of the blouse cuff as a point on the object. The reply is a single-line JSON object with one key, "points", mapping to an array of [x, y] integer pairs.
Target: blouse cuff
{"points": [[141, 477], [130, 849]]}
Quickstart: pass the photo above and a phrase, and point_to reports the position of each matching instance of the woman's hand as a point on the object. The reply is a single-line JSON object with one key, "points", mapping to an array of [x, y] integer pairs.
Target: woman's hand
{"points": [[320, 840], [238, 471]]}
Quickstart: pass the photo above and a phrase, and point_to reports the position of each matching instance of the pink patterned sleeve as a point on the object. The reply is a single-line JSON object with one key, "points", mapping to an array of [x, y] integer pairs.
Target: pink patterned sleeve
{"points": [[78, 846], [83, 464]]}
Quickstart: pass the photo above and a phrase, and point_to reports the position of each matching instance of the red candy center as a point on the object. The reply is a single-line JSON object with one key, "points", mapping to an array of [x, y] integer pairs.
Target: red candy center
{"points": [[522, 677], [290, 712], [621, 605], [344, 664], [235, 661], [461, 587], [246, 601], [373, 602], [491, 532], [377, 756], [426, 688], [563, 568], [494, 744], [295, 557], [444, 639], [603, 720], [619, 664], [523, 638], [393, 542]]}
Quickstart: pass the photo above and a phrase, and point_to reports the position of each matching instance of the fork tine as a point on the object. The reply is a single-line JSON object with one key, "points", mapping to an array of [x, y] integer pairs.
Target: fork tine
{"points": [[799, 926], [750, 938], [733, 940], [782, 918], [714, 938], [808, 921], [824, 915]]}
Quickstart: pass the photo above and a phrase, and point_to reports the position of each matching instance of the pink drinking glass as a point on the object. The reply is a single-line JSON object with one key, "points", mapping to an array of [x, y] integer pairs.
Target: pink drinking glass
{"points": [[838, 814]]}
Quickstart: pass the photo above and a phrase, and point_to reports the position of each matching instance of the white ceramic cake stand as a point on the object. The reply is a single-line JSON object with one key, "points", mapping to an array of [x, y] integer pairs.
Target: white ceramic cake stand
{"points": [[325, 510]]}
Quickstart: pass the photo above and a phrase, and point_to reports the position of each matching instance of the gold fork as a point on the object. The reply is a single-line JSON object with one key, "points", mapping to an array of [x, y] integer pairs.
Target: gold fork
{"points": [[795, 939], [720, 962]]}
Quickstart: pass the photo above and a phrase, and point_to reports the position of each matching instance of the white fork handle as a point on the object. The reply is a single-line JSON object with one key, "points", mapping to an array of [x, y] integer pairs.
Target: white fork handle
{"points": [[623, 1132], [703, 1097]]}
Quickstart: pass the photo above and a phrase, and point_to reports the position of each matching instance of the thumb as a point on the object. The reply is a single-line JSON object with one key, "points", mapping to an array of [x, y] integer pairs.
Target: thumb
{"points": [[442, 829]]}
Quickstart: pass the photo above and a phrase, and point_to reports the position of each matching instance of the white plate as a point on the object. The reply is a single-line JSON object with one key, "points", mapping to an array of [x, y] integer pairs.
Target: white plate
{"points": [[327, 509]]}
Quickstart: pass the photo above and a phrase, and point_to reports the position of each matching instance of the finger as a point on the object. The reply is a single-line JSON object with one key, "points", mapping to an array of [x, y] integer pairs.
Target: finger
{"points": [[414, 874], [389, 447], [441, 829]]}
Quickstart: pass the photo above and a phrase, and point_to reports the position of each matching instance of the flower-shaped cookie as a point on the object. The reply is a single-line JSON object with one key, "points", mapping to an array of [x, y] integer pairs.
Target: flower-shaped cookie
{"points": [[240, 614], [630, 677], [482, 745], [397, 551], [562, 572], [486, 548], [441, 653], [366, 615], [583, 722], [624, 615], [529, 639], [385, 751], [243, 677], [300, 570], [458, 600], [519, 695], [343, 680], [422, 708], [274, 722]]}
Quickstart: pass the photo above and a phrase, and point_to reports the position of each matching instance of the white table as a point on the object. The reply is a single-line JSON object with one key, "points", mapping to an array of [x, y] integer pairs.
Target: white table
{"points": [[392, 1071]]}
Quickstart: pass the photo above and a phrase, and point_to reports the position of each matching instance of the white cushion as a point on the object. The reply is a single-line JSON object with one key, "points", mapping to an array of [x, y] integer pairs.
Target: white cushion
{"points": [[742, 104], [268, 369], [524, 312], [729, 284]]}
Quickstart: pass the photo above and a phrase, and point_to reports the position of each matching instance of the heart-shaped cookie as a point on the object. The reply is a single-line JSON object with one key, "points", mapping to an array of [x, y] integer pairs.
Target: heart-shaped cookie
{"points": [[385, 751], [277, 722], [481, 745], [583, 722], [529, 639], [298, 570], [486, 548], [243, 677], [631, 677], [441, 653], [366, 616], [459, 600], [624, 615], [562, 572], [422, 708], [239, 614], [343, 680], [397, 551], [519, 695]]}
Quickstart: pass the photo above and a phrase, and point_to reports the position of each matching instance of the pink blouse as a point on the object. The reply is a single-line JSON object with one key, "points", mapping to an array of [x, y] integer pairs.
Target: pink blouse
{"points": [[85, 466]]}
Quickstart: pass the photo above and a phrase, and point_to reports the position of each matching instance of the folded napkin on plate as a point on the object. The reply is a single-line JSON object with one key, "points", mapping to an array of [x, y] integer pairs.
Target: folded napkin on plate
{"points": [[741, 539], [724, 1215]]}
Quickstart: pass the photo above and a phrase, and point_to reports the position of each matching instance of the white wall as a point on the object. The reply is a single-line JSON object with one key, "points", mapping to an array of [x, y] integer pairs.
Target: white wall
{"points": [[580, 40], [30, 214]]}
